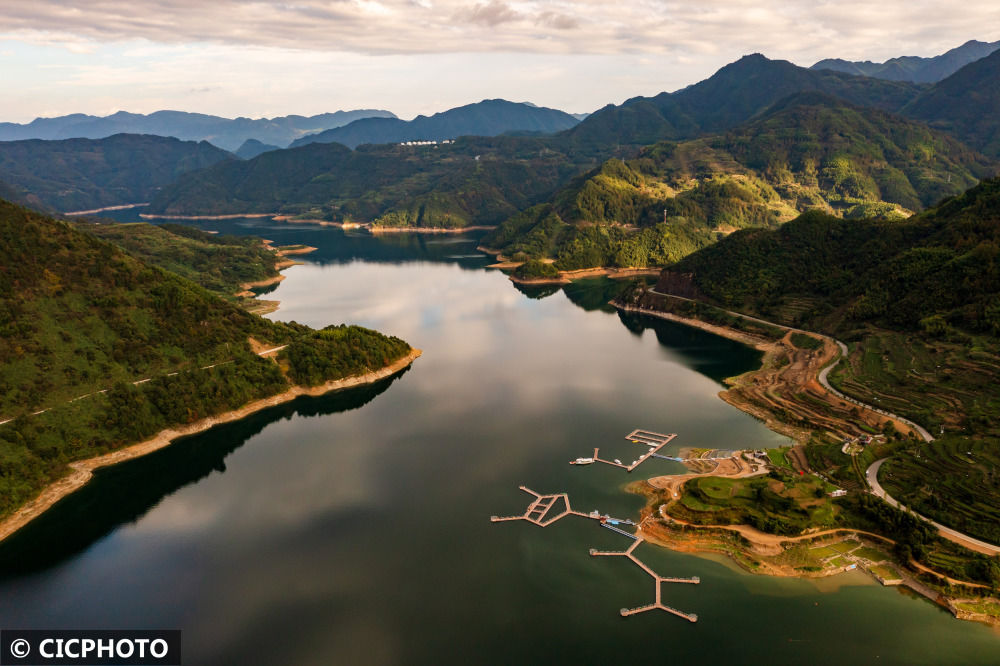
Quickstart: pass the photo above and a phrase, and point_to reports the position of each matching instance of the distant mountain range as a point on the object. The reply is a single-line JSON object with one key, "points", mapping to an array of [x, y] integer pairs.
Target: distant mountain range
{"points": [[490, 117], [915, 68], [227, 133], [966, 105], [84, 174], [733, 95]]}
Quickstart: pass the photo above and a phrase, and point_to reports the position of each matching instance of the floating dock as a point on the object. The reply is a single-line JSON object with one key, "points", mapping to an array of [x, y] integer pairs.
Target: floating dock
{"points": [[654, 440], [547, 509]]}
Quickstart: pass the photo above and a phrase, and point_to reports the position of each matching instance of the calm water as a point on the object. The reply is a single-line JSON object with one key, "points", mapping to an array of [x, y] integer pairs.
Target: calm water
{"points": [[354, 528]]}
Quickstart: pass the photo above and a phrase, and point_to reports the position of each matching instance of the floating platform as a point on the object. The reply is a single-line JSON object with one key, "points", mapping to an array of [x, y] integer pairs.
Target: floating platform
{"points": [[547, 509]]}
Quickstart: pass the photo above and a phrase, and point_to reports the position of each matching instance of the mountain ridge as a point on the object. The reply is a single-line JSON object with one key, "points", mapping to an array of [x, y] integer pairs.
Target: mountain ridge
{"points": [[490, 117], [914, 68], [226, 133]]}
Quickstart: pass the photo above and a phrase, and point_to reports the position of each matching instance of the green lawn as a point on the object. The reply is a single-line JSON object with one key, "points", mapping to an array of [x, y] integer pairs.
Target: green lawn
{"points": [[886, 573], [870, 554], [823, 552], [845, 546], [778, 458]]}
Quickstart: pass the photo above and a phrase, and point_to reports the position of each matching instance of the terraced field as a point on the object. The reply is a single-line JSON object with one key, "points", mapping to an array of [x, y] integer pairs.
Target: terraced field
{"points": [[937, 383], [954, 480]]}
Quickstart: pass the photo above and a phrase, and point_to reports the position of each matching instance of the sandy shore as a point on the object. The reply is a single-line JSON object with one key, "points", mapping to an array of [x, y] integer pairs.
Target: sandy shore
{"points": [[83, 470]]}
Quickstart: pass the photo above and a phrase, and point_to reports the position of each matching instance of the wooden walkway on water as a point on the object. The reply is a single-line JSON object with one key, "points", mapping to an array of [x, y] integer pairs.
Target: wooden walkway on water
{"points": [[547, 509]]}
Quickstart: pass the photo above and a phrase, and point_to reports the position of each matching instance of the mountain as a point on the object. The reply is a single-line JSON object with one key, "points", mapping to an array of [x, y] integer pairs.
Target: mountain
{"points": [[809, 151], [915, 68], [81, 321], [917, 301], [940, 263], [965, 104], [85, 174], [735, 94], [490, 117], [471, 181], [227, 133], [251, 148]]}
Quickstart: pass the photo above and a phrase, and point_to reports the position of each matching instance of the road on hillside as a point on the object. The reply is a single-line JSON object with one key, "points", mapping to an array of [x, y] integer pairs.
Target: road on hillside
{"points": [[954, 535]]}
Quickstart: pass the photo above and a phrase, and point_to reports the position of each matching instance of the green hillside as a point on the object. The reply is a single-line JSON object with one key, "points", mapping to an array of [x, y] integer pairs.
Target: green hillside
{"points": [[219, 263], [918, 302], [84, 174], [472, 181], [79, 316], [809, 152]]}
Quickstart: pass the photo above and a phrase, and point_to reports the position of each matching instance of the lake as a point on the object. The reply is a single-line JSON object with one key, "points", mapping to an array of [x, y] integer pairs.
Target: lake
{"points": [[354, 528]]}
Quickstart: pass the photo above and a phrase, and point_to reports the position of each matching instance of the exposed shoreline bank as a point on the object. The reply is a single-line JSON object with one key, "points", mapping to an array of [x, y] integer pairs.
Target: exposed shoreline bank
{"points": [[77, 213], [83, 470]]}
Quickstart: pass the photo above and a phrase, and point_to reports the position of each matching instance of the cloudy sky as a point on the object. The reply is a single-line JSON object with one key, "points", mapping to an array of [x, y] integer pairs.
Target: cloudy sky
{"points": [[267, 58]]}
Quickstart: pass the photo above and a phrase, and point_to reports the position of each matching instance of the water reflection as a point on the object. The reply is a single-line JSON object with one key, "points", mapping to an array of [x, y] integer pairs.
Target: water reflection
{"points": [[124, 493]]}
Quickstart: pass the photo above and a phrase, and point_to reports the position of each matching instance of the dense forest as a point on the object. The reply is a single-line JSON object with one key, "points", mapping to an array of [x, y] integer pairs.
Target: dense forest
{"points": [[220, 263], [84, 174], [471, 181], [102, 349]]}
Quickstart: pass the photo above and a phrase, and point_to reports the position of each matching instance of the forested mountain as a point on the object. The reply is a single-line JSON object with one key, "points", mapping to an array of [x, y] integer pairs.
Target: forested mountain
{"points": [[938, 269], [966, 104], [809, 151], [251, 148], [915, 68], [427, 186], [79, 316], [84, 174], [471, 181], [227, 133], [217, 262], [490, 117], [730, 97]]}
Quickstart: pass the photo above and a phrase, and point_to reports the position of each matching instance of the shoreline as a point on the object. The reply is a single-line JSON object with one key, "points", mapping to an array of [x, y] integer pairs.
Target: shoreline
{"points": [[83, 470], [76, 213], [425, 230], [566, 277], [156, 216], [770, 348]]}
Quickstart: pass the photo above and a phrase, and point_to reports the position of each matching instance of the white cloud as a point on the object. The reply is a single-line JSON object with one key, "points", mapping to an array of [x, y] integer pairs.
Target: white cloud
{"points": [[260, 57], [536, 26]]}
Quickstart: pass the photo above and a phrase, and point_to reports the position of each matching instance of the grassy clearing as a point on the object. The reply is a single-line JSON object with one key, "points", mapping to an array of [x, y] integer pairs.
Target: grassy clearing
{"points": [[778, 457], [870, 554], [885, 572], [822, 552], [845, 546]]}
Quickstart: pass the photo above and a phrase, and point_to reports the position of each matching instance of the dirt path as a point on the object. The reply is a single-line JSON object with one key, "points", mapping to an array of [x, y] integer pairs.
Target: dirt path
{"points": [[83, 470]]}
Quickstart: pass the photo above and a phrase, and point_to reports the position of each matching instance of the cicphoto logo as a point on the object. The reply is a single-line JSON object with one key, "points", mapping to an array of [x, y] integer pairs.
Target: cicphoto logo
{"points": [[96, 648]]}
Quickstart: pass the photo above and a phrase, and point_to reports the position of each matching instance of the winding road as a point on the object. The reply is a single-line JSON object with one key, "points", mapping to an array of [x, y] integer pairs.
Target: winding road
{"points": [[871, 474], [953, 535]]}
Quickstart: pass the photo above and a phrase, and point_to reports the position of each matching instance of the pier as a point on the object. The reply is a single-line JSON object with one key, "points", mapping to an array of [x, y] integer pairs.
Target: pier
{"points": [[547, 509], [654, 440], [657, 579]]}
